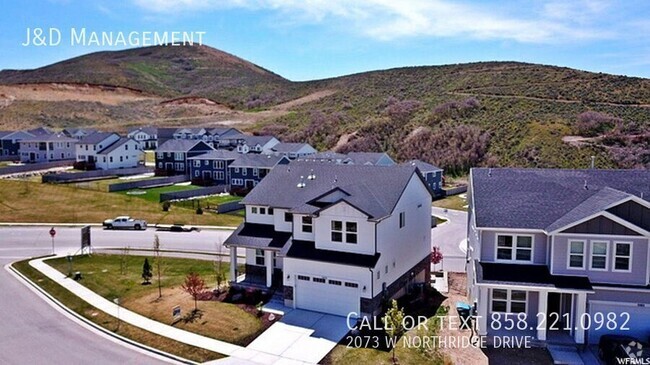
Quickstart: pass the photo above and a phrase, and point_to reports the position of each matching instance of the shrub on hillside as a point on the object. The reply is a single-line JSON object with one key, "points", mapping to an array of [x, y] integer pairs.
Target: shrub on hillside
{"points": [[401, 110], [591, 123], [454, 109]]}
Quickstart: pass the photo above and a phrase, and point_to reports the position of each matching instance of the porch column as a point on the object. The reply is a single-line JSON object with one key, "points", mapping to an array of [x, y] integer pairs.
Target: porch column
{"points": [[483, 302], [541, 318], [233, 263], [268, 262], [581, 308]]}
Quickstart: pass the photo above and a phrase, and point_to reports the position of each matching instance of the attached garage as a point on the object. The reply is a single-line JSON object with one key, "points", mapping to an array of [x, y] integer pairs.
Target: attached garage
{"points": [[638, 324], [332, 296]]}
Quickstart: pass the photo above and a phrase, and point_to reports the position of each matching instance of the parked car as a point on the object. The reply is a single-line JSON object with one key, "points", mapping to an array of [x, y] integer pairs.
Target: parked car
{"points": [[176, 227], [125, 222], [613, 349]]}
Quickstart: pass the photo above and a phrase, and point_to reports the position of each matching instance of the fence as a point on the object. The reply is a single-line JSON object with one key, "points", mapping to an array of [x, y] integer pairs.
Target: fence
{"points": [[150, 183], [455, 191], [229, 207], [70, 177], [186, 194], [10, 170]]}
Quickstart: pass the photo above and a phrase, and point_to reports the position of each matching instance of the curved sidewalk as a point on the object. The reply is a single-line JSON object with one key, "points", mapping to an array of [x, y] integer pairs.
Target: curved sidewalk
{"points": [[241, 355]]}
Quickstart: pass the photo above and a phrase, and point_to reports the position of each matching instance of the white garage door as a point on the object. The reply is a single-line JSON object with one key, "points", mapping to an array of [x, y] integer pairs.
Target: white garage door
{"points": [[333, 296], [638, 324]]}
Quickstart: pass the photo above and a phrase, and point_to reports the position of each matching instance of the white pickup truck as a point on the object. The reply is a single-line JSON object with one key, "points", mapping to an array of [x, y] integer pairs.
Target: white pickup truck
{"points": [[125, 222]]}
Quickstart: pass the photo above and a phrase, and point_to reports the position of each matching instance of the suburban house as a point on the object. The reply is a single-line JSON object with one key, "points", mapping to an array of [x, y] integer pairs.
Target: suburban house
{"points": [[47, 147], [371, 158], [338, 239], [256, 144], [249, 169], [78, 133], [10, 142], [211, 168], [171, 156], [431, 174], [292, 150], [564, 250], [88, 147], [222, 136], [190, 133], [164, 134], [328, 156], [147, 137], [123, 153], [40, 131]]}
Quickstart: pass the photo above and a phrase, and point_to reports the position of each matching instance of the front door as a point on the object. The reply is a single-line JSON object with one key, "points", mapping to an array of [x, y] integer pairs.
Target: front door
{"points": [[32, 156], [558, 315]]}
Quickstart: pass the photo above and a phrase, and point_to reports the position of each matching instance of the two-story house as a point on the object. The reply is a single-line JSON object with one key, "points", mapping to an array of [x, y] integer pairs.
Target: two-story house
{"points": [[89, 146], [248, 170], [47, 147], [256, 144], [171, 156], [431, 174], [78, 133], [561, 252], [147, 137], [123, 153], [292, 150], [338, 239], [10, 142], [211, 168], [190, 133]]}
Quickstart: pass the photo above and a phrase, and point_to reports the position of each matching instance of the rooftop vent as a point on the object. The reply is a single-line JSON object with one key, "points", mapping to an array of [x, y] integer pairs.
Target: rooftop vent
{"points": [[489, 172], [301, 184], [311, 175], [586, 186]]}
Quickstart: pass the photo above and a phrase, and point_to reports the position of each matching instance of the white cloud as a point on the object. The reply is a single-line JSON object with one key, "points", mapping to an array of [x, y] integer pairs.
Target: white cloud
{"points": [[555, 21]]}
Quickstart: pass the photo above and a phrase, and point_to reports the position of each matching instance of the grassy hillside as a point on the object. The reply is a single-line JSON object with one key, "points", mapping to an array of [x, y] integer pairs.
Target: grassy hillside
{"points": [[456, 116]]}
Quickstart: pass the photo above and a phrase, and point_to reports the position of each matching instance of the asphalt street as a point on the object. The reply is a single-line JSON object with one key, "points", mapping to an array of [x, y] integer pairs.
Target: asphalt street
{"points": [[450, 236]]}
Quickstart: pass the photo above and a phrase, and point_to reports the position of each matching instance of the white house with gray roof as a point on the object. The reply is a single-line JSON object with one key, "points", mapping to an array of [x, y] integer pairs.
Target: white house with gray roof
{"points": [[292, 150], [45, 147], [338, 239], [561, 251], [89, 146], [123, 153]]}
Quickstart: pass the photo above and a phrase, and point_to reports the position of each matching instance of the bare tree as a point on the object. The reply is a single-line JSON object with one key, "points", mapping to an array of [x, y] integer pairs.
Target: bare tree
{"points": [[220, 276], [158, 263]]}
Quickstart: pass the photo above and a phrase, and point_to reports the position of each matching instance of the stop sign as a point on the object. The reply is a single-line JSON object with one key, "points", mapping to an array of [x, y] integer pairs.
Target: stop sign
{"points": [[52, 232]]}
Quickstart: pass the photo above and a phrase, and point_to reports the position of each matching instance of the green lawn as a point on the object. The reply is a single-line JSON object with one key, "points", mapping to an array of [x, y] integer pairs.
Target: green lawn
{"points": [[153, 194], [455, 202], [119, 276], [110, 323]]}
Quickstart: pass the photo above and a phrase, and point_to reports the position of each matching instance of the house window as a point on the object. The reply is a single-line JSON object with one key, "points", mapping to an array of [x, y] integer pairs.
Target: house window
{"points": [[386, 270], [351, 285], [508, 301], [262, 210], [378, 275], [337, 231], [256, 172], [307, 225], [319, 280], [288, 217], [179, 156], [207, 163], [160, 155], [254, 210], [110, 159], [259, 257], [577, 254], [237, 182], [160, 165], [244, 172], [514, 248], [599, 255], [179, 166], [219, 175], [121, 158], [350, 231], [270, 211], [303, 277], [236, 170], [196, 173], [402, 219], [197, 163], [622, 256], [335, 282]]}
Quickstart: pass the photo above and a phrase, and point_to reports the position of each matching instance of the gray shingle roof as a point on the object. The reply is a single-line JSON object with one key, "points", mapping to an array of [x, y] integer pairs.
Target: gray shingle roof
{"points": [[178, 145], [55, 137], [40, 131], [538, 198], [216, 155], [423, 166], [307, 250], [368, 158], [289, 147], [117, 144], [372, 189], [254, 235], [148, 130], [255, 160], [528, 275], [253, 140], [96, 137]]}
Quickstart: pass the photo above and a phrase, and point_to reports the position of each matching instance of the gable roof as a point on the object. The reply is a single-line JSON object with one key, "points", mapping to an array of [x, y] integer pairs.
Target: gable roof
{"points": [[285, 147], [148, 130], [256, 160], [369, 158], [115, 145], [54, 137], [15, 134], [40, 131], [179, 145], [70, 131], [374, 190], [224, 131], [254, 140], [328, 156], [549, 198], [423, 166], [96, 137], [166, 132], [216, 155]]}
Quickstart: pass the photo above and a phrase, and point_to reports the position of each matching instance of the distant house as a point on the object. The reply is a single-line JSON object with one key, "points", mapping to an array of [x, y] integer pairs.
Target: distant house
{"points": [[147, 137], [47, 147], [164, 135], [256, 144], [40, 131], [227, 139], [123, 153], [190, 133], [371, 158], [249, 169], [78, 133], [10, 142], [171, 156], [431, 174], [211, 168], [292, 150], [328, 156], [89, 146]]}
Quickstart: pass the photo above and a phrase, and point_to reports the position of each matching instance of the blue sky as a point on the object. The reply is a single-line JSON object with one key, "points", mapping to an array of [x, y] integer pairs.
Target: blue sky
{"points": [[312, 39]]}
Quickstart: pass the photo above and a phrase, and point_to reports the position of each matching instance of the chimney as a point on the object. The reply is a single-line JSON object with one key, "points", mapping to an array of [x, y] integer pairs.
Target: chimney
{"points": [[593, 162], [490, 172], [586, 186]]}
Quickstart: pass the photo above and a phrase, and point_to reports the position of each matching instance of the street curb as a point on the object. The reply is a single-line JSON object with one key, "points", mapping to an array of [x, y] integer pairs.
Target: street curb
{"points": [[27, 282]]}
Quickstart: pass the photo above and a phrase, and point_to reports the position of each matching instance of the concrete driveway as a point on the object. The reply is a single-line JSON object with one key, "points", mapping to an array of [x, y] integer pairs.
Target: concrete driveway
{"points": [[302, 336], [451, 237]]}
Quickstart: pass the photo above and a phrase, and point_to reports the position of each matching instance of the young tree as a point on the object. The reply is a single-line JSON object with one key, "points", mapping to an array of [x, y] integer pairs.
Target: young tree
{"points": [[158, 261], [436, 256], [124, 259], [194, 285], [394, 324], [219, 274], [146, 272]]}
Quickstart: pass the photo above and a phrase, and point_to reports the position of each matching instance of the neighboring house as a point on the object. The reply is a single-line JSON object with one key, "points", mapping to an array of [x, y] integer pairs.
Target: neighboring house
{"points": [[164, 135], [560, 250], [249, 169], [431, 174], [229, 140], [40, 131], [171, 156], [88, 147], [10, 142], [147, 137], [211, 168], [334, 238], [292, 150], [47, 147], [328, 156], [256, 144], [123, 153], [78, 133], [190, 133], [221, 135], [371, 158]]}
